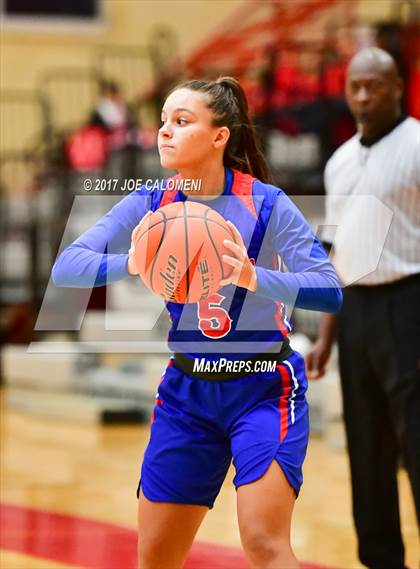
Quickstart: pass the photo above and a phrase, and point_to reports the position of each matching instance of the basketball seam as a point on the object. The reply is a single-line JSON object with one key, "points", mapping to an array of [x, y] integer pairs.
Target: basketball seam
{"points": [[212, 242], [178, 217], [151, 226], [155, 256], [186, 251]]}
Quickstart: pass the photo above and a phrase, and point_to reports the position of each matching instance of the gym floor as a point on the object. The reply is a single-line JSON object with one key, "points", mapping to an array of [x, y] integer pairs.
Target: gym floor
{"points": [[68, 500]]}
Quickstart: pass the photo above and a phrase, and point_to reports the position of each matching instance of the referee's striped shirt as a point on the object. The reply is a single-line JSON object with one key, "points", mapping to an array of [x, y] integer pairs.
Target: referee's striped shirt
{"points": [[373, 206]]}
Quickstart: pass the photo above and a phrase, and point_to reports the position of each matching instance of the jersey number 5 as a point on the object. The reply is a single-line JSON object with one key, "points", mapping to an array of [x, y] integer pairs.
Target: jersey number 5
{"points": [[213, 320]]}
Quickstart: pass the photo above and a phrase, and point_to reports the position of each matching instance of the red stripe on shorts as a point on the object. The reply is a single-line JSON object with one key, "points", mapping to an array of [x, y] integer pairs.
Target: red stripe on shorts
{"points": [[284, 401]]}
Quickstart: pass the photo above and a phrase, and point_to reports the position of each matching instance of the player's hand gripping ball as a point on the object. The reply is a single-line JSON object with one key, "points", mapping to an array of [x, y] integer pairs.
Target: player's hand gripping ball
{"points": [[178, 251]]}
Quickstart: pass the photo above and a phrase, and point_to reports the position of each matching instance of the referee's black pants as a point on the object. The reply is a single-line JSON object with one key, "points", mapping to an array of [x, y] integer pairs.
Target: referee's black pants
{"points": [[379, 347]]}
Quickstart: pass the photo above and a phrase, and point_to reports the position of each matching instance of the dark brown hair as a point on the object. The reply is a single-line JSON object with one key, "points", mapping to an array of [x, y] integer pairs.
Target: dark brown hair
{"points": [[229, 106]]}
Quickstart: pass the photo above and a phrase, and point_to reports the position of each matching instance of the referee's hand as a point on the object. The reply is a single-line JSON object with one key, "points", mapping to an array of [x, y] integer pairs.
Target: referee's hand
{"points": [[317, 359]]}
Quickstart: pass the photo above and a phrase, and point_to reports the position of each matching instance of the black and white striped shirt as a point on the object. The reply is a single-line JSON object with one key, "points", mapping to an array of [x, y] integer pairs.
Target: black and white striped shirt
{"points": [[373, 206]]}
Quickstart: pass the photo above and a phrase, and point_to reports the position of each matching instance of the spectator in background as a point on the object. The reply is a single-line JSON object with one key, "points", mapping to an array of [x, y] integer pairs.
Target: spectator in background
{"points": [[88, 148], [402, 42], [379, 326], [124, 135], [340, 46], [112, 114]]}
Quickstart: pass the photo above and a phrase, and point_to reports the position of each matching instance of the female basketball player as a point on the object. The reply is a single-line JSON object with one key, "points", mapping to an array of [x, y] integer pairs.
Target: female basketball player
{"points": [[203, 420]]}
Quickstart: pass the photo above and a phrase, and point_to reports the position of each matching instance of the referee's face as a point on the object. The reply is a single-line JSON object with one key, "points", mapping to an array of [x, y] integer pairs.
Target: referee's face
{"points": [[373, 96]]}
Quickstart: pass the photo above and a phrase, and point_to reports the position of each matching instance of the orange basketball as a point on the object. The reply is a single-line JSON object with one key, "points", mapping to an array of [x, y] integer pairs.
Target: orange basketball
{"points": [[179, 252]]}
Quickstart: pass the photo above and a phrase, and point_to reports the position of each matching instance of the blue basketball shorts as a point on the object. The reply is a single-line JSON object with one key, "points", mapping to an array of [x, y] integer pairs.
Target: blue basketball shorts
{"points": [[199, 426]]}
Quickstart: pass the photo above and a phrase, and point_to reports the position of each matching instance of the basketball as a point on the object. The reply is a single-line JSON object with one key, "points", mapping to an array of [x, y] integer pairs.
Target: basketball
{"points": [[179, 252]]}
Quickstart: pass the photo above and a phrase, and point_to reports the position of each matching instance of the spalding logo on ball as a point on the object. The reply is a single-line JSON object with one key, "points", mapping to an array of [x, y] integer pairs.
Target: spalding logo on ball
{"points": [[179, 252]]}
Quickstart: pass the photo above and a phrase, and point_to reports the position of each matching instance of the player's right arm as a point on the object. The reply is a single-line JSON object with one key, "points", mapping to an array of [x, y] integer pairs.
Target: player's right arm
{"points": [[101, 254]]}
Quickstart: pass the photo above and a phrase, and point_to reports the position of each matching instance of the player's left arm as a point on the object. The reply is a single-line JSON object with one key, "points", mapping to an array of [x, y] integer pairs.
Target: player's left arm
{"points": [[311, 281]]}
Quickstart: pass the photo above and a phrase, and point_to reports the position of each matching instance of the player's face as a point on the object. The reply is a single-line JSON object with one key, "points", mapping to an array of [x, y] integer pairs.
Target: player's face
{"points": [[187, 136], [373, 97]]}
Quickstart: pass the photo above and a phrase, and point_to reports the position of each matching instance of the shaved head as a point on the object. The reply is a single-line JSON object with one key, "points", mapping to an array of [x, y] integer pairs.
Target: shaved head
{"points": [[373, 60], [373, 90]]}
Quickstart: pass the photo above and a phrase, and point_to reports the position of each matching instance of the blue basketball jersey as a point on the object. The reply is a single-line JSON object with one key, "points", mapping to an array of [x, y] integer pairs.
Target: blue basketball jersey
{"points": [[234, 321]]}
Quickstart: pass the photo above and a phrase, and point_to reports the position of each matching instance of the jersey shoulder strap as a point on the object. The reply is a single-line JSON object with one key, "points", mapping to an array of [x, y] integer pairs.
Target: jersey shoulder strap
{"points": [[246, 188], [166, 196], [242, 188]]}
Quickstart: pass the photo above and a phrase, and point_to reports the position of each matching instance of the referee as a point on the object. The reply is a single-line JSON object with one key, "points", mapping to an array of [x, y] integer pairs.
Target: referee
{"points": [[373, 198]]}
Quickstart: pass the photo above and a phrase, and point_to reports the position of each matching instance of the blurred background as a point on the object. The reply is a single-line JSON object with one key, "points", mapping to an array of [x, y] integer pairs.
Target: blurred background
{"points": [[82, 83]]}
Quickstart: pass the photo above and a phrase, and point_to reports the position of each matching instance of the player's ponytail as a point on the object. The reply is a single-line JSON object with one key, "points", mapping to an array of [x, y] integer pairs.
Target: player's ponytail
{"points": [[227, 101]]}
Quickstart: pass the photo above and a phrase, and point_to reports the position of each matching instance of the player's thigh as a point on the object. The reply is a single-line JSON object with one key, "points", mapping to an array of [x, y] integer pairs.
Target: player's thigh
{"points": [[265, 508], [166, 531]]}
